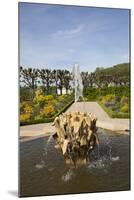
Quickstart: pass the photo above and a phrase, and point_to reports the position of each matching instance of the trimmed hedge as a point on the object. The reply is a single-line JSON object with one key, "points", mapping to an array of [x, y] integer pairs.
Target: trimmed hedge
{"points": [[94, 93], [114, 114], [46, 120]]}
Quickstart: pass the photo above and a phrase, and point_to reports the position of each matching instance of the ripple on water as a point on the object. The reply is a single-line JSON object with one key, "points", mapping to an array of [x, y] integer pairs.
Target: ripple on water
{"points": [[108, 170], [115, 158], [103, 163], [97, 164], [67, 176], [40, 165]]}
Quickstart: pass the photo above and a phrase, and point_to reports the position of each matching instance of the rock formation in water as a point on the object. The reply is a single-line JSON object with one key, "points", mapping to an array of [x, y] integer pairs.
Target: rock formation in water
{"points": [[76, 136]]}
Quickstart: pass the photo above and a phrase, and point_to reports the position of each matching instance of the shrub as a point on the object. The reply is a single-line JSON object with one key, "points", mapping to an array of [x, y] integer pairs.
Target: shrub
{"points": [[26, 94], [25, 117], [22, 106], [114, 114], [109, 104], [100, 98], [26, 111], [36, 110], [91, 93], [39, 119], [117, 99], [62, 98], [48, 111], [38, 92], [26, 108], [109, 100], [125, 108], [95, 93], [42, 100], [115, 108], [54, 102], [49, 98], [124, 100]]}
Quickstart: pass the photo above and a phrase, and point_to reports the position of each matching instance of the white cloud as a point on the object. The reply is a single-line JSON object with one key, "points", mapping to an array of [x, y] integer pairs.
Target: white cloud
{"points": [[69, 33]]}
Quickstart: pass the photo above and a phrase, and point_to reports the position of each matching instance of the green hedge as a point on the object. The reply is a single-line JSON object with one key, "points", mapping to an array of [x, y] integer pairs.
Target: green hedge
{"points": [[94, 93], [46, 120], [114, 114]]}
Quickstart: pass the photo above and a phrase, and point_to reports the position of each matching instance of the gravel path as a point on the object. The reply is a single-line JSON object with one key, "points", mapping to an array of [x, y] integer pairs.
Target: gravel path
{"points": [[104, 121]]}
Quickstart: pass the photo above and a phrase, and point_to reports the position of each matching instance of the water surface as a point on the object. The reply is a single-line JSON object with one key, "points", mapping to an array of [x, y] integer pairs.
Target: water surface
{"points": [[44, 172]]}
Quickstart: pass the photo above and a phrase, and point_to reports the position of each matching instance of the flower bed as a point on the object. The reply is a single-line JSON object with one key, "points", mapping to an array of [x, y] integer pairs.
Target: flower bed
{"points": [[44, 109]]}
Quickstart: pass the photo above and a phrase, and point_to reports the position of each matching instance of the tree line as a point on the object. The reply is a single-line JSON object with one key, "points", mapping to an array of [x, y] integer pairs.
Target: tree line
{"points": [[31, 78], [59, 79]]}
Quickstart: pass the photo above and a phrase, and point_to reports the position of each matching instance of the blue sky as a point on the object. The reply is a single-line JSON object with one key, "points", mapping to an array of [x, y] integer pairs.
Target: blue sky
{"points": [[53, 36]]}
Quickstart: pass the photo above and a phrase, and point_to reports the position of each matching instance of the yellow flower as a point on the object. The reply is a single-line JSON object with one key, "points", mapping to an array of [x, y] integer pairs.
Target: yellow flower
{"points": [[25, 117], [26, 108], [48, 111]]}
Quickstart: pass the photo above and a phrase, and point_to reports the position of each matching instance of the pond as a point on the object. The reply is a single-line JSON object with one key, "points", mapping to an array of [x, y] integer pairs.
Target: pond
{"points": [[43, 170]]}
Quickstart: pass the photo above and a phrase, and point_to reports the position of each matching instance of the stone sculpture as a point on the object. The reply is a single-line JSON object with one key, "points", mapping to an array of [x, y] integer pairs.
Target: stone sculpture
{"points": [[76, 136]]}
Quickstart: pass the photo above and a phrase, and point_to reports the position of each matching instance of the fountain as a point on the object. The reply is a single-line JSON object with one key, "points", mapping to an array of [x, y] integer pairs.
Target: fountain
{"points": [[76, 131], [43, 171], [77, 82]]}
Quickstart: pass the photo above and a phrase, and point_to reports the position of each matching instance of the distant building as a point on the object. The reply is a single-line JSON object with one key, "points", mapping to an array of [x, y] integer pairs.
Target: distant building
{"points": [[64, 91]]}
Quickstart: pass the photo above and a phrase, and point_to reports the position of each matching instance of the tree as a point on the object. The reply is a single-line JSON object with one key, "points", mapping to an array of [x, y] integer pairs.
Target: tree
{"points": [[118, 74], [46, 79], [29, 77], [91, 79], [85, 79], [67, 78], [60, 75], [55, 78]]}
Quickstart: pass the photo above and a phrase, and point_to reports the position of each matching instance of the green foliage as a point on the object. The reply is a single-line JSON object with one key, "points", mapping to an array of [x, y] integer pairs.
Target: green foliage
{"points": [[91, 93], [39, 92], [113, 114], [24, 117], [97, 93], [61, 97], [119, 69], [51, 80], [25, 107], [26, 111], [115, 106], [118, 74], [108, 98], [41, 100], [125, 108], [29, 76], [48, 111], [43, 107], [39, 119], [25, 94], [124, 100], [37, 104]]}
